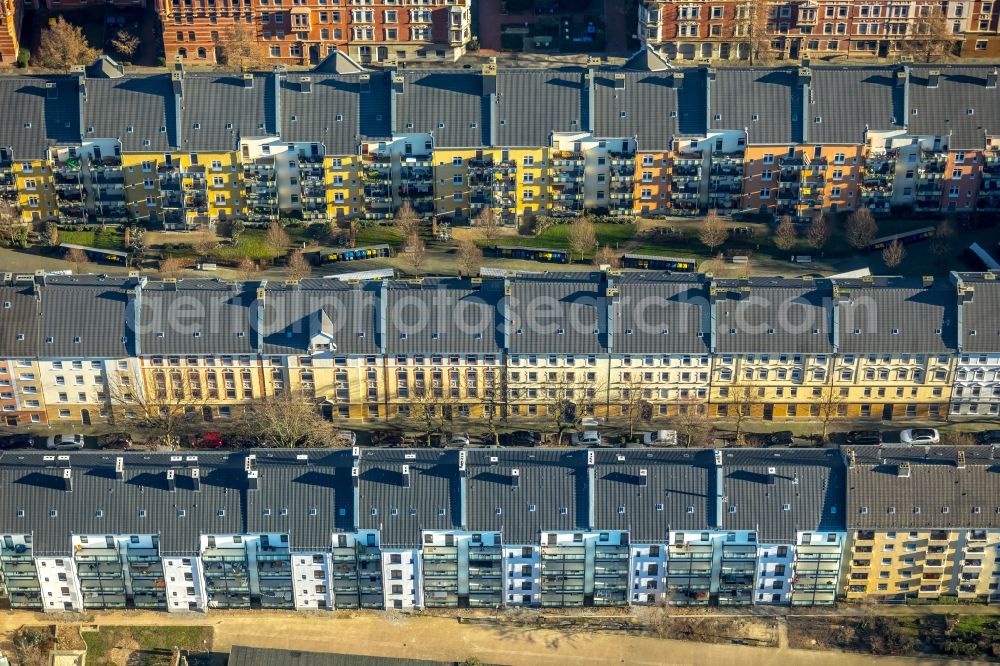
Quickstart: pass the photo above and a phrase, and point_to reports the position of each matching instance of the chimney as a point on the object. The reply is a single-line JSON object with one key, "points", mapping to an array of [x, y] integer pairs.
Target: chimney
{"points": [[515, 477], [933, 78], [355, 476], [461, 464], [619, 81], [398, 84], [406, 476], [355, 496], [51, 90], [463, 490], [960, 462], [302, 459], [120, 468], [196, 479], [718, 458], [991, 78], [643, 477], [253, 480], [171, 482], [591, 483], [67, 479], [771, 474], [305, 84], [852, 458], [356, 453], [928, 281], [489, 77], [365, 83], [805, 76], [247, 80], [720, 496], [903, 470]]}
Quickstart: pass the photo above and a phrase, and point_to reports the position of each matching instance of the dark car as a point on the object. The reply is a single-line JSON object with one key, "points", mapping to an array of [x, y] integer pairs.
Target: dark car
{"points": [[780, 438], [988, 437], [521, 438], [387, 438], [116, 440], [20, 441], [864, 437]]}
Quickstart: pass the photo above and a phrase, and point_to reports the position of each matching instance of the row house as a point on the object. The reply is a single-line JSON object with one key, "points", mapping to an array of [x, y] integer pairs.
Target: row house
{"points": [[728, 30], [187, 150], [342, 529], [921, 523]]}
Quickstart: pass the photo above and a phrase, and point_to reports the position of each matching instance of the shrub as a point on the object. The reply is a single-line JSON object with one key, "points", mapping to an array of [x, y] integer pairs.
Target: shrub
{"points": [[23, 57]]}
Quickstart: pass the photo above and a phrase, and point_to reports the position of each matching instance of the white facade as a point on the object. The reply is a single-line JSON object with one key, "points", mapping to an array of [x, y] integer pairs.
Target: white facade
{"points": [[59, 585], [184, 583], [311, 581], [649, 564], [522, 575], [401, 578], [977, 386], [774, 574]]}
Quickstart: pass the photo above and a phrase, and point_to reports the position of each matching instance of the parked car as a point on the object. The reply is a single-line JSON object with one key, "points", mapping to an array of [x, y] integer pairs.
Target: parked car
{"points": [[660, 438], [586, 438], [208, 440], [459, 439], [387, 438], [864, 437], [65, 442], [345, 437], [988, 437], [919, 436], [521, 438], [20, 441], [116, 440], [780, 438]]}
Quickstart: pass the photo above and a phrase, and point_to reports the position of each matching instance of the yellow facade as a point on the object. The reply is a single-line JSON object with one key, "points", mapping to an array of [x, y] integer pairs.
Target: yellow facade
{"points": [[892, 386], [35, 190], [343, 186]]}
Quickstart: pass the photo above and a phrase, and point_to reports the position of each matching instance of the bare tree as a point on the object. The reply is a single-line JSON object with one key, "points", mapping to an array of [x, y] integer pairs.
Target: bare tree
{"points": [[488, 225], [750, 30], [298, 266], [818, 234], [494, 403], [829, 402], [582, 236], [125, 43], [470, 257], [605, 256], [942, 238], [785, 236], [241, 49], [427, 412], [167, 409], [740, 398], [52, 234], [248, 269], [31, 646], [78, 258], [632, 402], [931, 39], [692, 423], [416, 251], [63, 45], [203, 242], [861, 229], [276, 238], [287, 420], [568, 402], [10, 223], [406, 221], [712, 231], [893, 254], [173, 267]]}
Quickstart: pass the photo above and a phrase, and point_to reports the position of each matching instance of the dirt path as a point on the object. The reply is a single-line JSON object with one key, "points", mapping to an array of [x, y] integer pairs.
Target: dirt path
{"points": [[444, 639]]}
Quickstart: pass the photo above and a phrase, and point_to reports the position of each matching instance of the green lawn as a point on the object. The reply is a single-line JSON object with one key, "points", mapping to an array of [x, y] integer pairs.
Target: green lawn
{"points": [[557, 236], [378, 234], [251, 246], [111, 239], [152, 645]]}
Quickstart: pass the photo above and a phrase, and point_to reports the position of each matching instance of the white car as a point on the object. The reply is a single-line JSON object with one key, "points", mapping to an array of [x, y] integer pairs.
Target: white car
{"points": [[919, 436], [65, 442], [460, 439], [660, 438], [345, 437], [586, 438]]}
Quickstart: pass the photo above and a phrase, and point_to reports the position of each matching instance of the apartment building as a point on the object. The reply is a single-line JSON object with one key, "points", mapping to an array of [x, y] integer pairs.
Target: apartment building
{"points": [[696, 29], [328, 529], [975, 390], [190, 150], [921, 523]]}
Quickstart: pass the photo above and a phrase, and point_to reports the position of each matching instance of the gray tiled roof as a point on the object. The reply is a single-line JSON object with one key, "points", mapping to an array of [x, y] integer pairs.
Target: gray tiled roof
{"points": [[945, 109], [895, 315], [649, 103], [39, 491], [773, 95], [677, 494], [443, 316], [143, 103], [197, 317], [31, 122], [329, 114], [292, 311], [432, 501], [214, 101], [84, 316], [665, 313], [19, 322], [980, 313], [550, 481], [805, 492], [241, 655], [452, 98], [776, 315], [850, 100], [317, 493], [375, 116], [542, 305], [532, 104], [937, 494]]}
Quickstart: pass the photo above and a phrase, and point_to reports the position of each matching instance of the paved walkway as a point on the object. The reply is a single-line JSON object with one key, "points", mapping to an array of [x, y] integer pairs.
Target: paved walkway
{"points": [[443, 638]]}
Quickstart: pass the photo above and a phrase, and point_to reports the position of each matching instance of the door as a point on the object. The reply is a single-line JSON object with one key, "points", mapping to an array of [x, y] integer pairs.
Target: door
{"points": [[314, 54], [794, 48], [11, 420], [85, 416], [206, 413], [887, 412], [768, 411], [383, 53]]}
